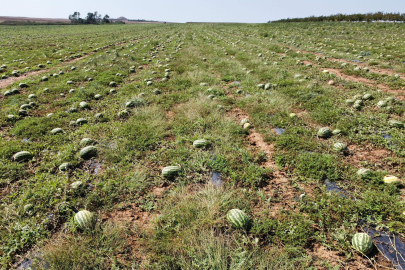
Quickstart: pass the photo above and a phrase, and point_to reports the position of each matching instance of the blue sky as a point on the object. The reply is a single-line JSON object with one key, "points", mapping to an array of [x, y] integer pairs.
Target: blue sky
{"points": [[249, 11]]}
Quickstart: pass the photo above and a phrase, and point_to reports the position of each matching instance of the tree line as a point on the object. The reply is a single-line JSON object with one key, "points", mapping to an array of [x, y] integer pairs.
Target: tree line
{"points": [[368, 17], [91, 18]]}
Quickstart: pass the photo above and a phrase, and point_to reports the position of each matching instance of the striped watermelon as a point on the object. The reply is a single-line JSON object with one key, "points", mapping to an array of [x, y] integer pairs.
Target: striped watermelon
{"points": [[88, 152], [339, 147], [200, 143], [170, 171], [325, 132], [363, 243], [238, 219], [84, 219], [22, 156]]}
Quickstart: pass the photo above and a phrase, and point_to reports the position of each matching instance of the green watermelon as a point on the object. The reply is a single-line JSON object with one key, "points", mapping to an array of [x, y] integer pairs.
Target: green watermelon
{"points": [[78, 185], [123, 113], [84, 220], [200, 143], [238, 219], [350, 102], [339, 147], [22, 156], [88, 152], [86, 142], [26, 107], [170, 171], [396, 123], [325, 132], [81, 121], [84, 105], [363, 243], [64, 167], [382, 103], [57, 131], [363, 172], [367, 97]]}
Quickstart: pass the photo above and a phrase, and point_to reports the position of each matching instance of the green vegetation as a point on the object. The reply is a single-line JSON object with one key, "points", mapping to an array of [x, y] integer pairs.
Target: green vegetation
{"points": [[369, 17], [163, 130]]}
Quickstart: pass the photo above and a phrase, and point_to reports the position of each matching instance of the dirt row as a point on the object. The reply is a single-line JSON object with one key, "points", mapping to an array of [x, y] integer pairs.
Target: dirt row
{"points": [[372, 69]]}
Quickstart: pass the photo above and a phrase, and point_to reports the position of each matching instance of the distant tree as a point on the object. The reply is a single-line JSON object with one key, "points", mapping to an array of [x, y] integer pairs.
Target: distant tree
{"points": [[106, 18], [75, 17]]}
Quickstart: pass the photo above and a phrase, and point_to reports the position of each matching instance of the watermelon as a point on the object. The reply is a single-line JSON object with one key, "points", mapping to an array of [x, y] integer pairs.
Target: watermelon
{"points": [[244, 121], [88, 152], [77, 185], [32, 96], [390, 179], [11, 117], [8, 93], [200, 143], [22, 156], [113, 84], [84, 105], [336, 132], [170, 171], [26, 107], [84, 220], [238, 219], [64, 167], [28, 208], [363, 172], [363, 243], [367, 97], [69, 82], [339, 147], [86, 142], [81, 121], [396, 123], [98, 96], [350, 102], [57, 131], [23, 85], [325, 132], [44, 78], [22, 112], [382, 103], [123, 114]]}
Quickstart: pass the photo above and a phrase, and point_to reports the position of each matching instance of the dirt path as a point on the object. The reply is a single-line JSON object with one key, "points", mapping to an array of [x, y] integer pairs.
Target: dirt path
{"points": [[372, 69], [400, 94], [10, 80]]}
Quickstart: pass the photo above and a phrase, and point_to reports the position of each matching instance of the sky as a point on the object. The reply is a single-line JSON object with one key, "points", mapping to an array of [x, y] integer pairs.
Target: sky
{"points": [[247, 11]]}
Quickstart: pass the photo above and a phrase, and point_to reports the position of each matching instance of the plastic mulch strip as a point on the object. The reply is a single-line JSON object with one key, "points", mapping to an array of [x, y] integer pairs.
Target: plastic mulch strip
{"points": [[390, 246]]}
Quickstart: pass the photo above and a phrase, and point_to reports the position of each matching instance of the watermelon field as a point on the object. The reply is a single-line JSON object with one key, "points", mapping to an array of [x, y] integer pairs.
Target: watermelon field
{"points": [[202, 146]]}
